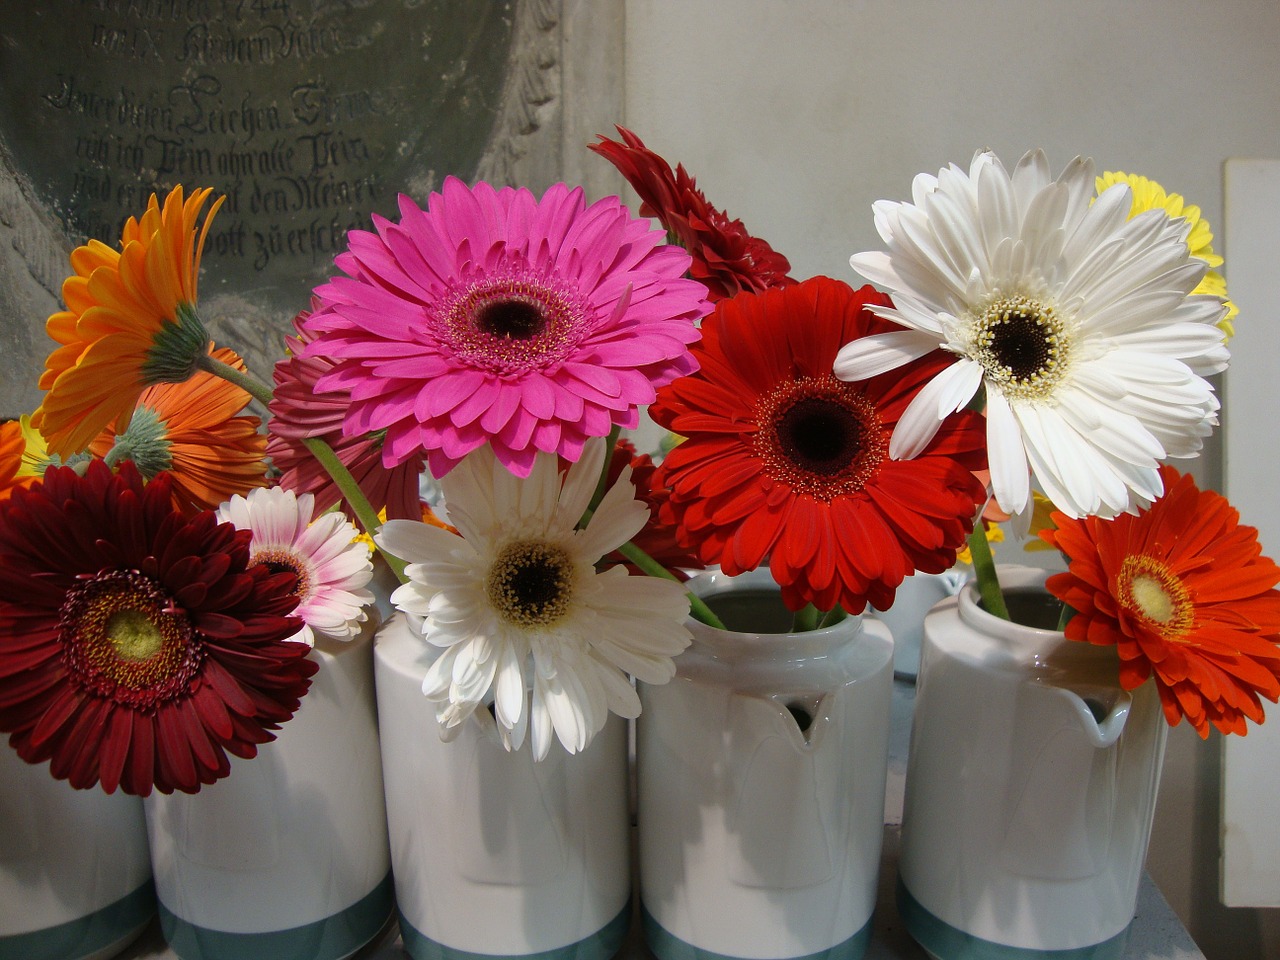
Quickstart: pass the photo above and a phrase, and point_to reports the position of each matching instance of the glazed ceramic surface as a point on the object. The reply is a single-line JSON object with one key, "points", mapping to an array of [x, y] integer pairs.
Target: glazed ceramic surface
{"points": [[75, 877], [1031, 786], [761, 771], [915, 597], [493, 852], [288, 855]]}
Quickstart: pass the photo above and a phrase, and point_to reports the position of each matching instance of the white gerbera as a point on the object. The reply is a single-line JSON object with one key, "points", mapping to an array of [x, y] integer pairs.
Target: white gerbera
{"points": [[332, 567], [519, 609], [1077, 320]]}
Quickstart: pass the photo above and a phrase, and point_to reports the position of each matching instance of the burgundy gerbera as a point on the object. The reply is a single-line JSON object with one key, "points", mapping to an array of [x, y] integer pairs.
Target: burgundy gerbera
{"points": [[299, 410], [786, 465], [137, 646], [726, 258]]}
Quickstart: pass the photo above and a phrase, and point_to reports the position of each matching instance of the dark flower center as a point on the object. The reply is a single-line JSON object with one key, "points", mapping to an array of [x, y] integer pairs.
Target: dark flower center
{"points": [[1022, 345], [282, 560], [123, 639], [509, 325], [821, 436], [512, 319], [531, 583]]}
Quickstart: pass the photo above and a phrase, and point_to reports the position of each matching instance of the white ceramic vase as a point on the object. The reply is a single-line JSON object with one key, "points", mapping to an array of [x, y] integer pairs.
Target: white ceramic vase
{"points": [[287, 857], [1031, 786], [914, 598], [761, 773], [75, 877], [495, 853]]}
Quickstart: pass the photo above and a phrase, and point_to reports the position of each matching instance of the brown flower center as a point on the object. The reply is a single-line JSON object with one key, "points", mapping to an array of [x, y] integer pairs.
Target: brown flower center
{"points": [[531, 583], [283, 560], [821, 436], [510, 324], [1022, 345], [1156, 596], [123, 639]]}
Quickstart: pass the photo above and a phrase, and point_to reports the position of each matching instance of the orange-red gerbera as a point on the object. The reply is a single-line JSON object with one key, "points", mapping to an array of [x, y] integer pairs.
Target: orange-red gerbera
{"points": [[1183, 593], [783, 463], [726, 258], [191, 430], [658, 538], [130, 322]]}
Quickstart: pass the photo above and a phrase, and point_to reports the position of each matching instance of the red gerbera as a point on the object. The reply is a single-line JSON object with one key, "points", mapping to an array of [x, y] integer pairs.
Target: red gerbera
{"points": [[1183, 593], [299, 411], [137, 646], [784, 463], [658, 538], [726, 258]]}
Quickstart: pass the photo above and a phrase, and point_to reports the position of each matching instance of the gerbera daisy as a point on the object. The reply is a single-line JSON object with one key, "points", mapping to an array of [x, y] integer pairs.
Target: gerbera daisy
{"points": [[190, 430], [23, 455], [130, 322], [1149, 195], [1183, 593], [1075, 320], [331, 566], [494, 317], [137, 646], [519, 610], [783, 463], [658, 538], [299, 411], [725, 257]]}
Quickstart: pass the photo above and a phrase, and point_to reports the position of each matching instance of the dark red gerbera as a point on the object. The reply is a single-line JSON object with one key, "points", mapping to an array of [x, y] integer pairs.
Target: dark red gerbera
{"points": [[658, 538], [299, 411], [137, 646], [786, 465], [1183, 593], [726, 258]]}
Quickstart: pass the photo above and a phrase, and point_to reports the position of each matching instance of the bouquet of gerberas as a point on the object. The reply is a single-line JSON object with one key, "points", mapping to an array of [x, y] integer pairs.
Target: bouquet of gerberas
{"points": [[497, 342]]}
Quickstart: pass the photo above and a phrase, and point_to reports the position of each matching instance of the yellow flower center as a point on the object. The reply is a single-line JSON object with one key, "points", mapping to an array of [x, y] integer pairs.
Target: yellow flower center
{"points": [[124, 639], [1154, 593], [1022, 344], [531, 583], [133, 635]]}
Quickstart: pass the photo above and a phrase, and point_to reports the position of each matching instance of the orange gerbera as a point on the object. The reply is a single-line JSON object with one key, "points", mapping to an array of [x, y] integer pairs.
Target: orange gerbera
{"points": [[130, 322], [191, 430], [1184, 594], [23, 456]]}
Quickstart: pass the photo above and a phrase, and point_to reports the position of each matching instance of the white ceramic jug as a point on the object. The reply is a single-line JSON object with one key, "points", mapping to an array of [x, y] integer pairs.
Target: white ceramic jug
{"points": [[1031, 786], [761, 774], [494, 853]]}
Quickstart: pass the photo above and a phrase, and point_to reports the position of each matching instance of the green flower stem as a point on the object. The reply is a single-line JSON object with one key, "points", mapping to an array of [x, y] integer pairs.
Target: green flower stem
{"points": [[653, 568], [984, 569], [1065, 615], [805, 619], [832, 616], [602, 484], [323, 453]]}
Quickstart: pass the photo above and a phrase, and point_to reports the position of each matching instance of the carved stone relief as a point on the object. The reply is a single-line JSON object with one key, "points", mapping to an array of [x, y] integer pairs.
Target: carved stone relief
{"points": [[310, 115]]}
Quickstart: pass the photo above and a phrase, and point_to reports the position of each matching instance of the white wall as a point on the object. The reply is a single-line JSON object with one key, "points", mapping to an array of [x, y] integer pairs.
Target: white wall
{"points": [[795, 115]]}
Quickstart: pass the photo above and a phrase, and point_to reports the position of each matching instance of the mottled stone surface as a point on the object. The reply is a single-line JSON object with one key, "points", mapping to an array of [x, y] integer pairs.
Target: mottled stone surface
{"points": [[309, 115]]}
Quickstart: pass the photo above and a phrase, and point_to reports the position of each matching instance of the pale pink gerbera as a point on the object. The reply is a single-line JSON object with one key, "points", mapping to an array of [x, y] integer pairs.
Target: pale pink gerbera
{"points": [[332, 568], [496, 317]]}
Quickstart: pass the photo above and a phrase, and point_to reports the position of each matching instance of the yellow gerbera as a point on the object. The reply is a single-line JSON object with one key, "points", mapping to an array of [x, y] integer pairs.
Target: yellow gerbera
{"points": [[130, 322], [23, 456], [1149, 195]]}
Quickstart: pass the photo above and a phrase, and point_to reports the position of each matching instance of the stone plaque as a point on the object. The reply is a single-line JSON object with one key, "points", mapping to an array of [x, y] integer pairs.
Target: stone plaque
{"points": [[309, 115]]}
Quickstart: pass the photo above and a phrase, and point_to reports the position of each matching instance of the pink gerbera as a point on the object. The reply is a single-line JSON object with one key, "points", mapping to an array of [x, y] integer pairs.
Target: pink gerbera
{"points": [[496, 317]]}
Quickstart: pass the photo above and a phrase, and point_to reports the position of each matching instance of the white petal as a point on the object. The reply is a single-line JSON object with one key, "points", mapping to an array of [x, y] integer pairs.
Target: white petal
{"points": [[881, 352]]}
